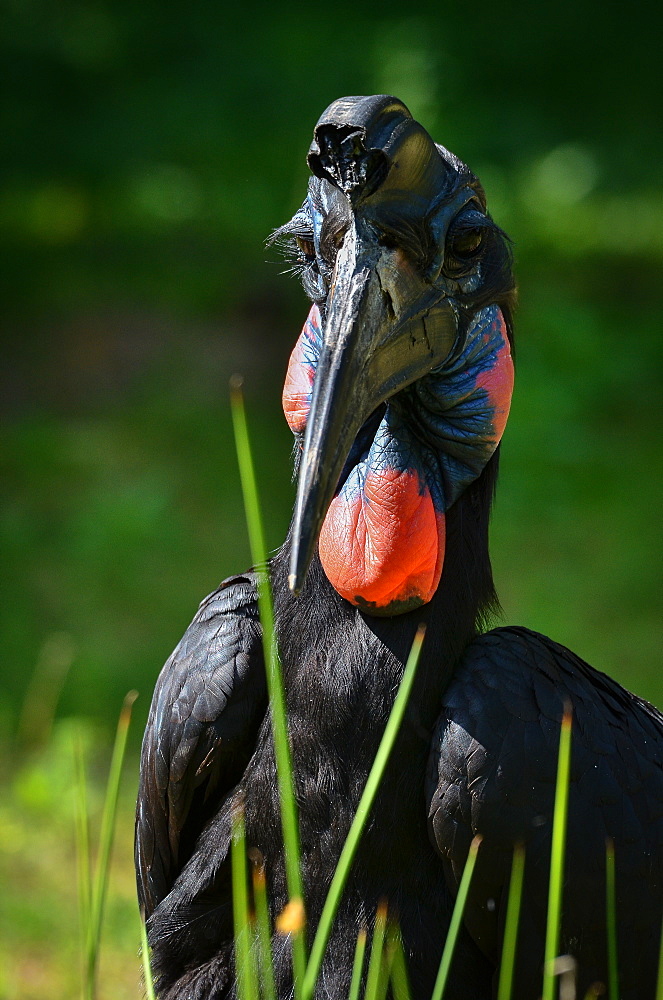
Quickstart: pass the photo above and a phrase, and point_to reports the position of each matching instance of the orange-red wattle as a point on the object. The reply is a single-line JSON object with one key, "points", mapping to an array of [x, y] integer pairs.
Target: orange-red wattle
{"points": [[383, 545], [498, 381], [299, 378]]}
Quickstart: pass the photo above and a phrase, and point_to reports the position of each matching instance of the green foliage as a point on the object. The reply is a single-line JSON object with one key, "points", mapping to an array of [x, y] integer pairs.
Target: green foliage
{"points": [[39, 905]]}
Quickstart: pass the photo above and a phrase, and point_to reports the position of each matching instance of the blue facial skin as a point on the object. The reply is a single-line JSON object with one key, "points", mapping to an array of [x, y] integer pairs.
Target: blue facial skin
{"points": [[456, 415], [442, 427], [311, 343]]}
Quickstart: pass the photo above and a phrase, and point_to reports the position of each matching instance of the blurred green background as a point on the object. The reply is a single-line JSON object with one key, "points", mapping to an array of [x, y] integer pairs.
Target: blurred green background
{"points": [[147, 152]]}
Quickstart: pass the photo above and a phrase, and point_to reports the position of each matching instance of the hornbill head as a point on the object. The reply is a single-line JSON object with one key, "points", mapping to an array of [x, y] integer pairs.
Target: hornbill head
{"points": [[400, 383]]}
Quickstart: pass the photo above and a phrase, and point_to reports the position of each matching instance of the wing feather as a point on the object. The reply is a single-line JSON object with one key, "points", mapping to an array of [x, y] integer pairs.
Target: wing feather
{"points": [[207, 705], [492, 771]]}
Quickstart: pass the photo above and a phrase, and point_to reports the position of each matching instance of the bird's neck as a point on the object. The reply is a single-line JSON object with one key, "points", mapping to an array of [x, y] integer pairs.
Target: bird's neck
{"points": [[318, 630], [342, 669]]}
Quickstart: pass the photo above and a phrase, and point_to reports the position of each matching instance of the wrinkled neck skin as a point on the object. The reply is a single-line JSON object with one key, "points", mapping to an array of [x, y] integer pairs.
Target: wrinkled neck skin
{"points": [[383, 541]]}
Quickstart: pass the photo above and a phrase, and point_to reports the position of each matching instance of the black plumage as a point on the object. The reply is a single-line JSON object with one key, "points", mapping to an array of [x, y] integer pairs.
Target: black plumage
{"points": [[477, 753]]}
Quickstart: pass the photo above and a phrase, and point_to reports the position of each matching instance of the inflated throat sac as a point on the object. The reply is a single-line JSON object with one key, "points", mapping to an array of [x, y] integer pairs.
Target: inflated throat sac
{"points": [[382, 541]]}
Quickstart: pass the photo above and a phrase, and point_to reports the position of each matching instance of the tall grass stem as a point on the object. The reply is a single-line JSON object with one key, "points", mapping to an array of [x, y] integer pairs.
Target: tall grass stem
{"points": [[455, 922], [375, 963], [106, 835], [611, 919], [82, 827], [358, 965], [400, 982], [246, 978], [507, 965], [275, 686], [553, 925], [145, 955], [361, 816], [263, 930]]}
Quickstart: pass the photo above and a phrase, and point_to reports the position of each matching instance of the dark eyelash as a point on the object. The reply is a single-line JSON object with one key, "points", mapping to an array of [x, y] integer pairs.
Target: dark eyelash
{"points": [[299, 225], [285, 240], [477, 220]]}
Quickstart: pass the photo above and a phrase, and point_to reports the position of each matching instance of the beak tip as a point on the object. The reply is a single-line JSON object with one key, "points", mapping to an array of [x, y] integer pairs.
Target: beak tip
{"points": [[294, 585]]}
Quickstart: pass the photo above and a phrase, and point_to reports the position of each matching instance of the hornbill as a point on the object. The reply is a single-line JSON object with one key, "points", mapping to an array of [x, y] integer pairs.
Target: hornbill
{"points": [[397, 391]]}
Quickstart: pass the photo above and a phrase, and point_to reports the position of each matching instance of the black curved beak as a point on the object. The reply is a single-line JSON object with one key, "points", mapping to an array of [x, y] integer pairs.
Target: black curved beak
{"points": [[385, 327]]}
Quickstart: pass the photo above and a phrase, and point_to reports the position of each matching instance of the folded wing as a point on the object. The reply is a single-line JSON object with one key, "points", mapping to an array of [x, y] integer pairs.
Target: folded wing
{"points": [[492, 772], [208, 703]]}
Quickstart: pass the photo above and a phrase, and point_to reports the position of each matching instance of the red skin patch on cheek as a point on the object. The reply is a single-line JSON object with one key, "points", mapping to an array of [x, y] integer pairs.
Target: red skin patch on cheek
{"points": [[498, 382], [384, 545], [297, 390], [299, 378]]}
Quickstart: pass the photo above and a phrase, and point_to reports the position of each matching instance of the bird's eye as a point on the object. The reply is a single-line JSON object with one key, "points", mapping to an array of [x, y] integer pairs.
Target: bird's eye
{"points": [[465, 243], [306, 249]]}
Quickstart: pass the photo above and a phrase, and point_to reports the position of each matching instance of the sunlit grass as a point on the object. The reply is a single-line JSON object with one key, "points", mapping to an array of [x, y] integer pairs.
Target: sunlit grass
{"points": [[42, 946], [145, 956], [305, 976], [553, 925], [376, 978], [247, 985], [93, 890], [358, 965], [456, 920], [400, 982], [263, 931], [507, 963], [342, 871], [282, 750], [112, 961]]}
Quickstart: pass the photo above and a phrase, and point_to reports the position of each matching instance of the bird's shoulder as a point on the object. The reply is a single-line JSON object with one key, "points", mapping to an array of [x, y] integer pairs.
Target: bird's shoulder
{"points": [[496, 741], [208, 702], [493, 765]]}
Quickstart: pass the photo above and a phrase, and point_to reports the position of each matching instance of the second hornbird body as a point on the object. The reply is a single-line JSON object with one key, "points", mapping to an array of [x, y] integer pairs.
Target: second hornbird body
{"points": [[398, 392]]}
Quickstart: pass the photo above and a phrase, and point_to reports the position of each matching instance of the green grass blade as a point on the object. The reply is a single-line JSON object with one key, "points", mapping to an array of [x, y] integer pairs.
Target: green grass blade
{"points": [[358, 965], [363, 809], [553, 926], [264, 933], [282, 750], [84, 877], [106, 835], [611, 919], [507, 964], [455, 922], [400, 983], [375, 964], [246, 979], [145, 955]]}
